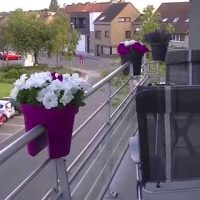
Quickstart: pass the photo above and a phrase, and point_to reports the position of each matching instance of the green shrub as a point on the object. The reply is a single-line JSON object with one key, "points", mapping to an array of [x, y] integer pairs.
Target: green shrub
{"points": [[12, 74]]}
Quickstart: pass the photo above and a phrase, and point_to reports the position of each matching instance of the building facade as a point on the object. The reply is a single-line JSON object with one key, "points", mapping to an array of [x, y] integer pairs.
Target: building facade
{"points": [[114, 26], [82, 17]]}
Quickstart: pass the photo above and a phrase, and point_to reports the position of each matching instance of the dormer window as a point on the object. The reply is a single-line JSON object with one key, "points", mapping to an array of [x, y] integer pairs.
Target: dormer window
{"points": [[164, 20], [102, 18], [187, 20], [175, 19]]}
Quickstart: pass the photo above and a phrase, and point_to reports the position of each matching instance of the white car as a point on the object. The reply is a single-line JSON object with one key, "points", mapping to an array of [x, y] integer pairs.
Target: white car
{"points": [[7, 109]]}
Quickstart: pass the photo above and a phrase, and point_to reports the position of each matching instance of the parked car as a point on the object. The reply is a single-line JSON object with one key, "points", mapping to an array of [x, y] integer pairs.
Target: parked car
{"points": [[10, 55], [2, 119], [7, 109], [15, 103]]}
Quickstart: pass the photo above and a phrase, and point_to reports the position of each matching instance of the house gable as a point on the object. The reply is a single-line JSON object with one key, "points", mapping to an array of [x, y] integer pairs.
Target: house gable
{"points": [[121, 26]]}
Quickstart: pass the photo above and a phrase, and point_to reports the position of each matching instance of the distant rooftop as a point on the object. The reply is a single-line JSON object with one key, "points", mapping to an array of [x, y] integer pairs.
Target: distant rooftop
{"points": [[110, 13], [176, 13], [87, 7]]}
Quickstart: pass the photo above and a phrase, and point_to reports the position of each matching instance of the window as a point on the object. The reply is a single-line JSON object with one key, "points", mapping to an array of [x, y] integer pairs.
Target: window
{"points": [[127, 34], [187, 20], [124, 19], [182, 37], [107, 34], [175, 19], [102, 18], [98, 34], [164, 20], [178, 37], [175, 37], [80, 22]]}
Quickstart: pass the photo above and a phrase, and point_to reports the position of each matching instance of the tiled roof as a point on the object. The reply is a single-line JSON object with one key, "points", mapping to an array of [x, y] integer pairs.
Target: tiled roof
{"points": [[87, 7], [109, 14], [175, 13]]}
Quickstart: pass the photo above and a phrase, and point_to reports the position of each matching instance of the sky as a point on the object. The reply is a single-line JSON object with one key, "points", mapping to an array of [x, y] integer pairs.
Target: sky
{"points": [[8, 5]]}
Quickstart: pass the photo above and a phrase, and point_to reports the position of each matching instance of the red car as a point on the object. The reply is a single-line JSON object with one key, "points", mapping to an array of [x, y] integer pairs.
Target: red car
{"points": [[10, 55], [2, 119]]}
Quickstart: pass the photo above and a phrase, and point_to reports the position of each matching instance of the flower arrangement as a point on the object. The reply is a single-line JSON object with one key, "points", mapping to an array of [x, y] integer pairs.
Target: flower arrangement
{"points": [[158, 36], [127, 47], [50, 90]]}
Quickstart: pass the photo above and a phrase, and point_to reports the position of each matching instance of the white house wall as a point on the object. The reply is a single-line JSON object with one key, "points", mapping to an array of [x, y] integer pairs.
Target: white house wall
{"points": [[81, 47], [93, 17]]}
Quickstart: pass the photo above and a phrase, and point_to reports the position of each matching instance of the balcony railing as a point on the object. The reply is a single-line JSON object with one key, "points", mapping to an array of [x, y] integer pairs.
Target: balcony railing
{"points": [[87, 172]]}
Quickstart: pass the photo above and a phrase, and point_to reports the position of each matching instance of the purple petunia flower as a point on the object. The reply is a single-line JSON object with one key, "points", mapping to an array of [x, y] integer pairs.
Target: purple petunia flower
{"points": [[57, 76], [139, 48], [123, 50]]}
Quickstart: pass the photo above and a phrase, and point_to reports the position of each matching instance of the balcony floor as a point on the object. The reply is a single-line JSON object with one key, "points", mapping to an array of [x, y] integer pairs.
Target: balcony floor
{"points": [[124, 183]]}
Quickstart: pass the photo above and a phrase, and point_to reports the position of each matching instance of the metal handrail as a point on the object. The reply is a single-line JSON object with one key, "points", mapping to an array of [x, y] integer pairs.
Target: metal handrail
{"points": [[105, 80], [19, 143], [93, 90], [27, 180]]}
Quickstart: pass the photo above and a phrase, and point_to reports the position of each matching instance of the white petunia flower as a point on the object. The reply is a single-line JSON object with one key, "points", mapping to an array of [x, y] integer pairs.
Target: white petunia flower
{"points": [[37, 80], [51, 91], [41, 94], [50, 100], [14, 92], [18, 83], [126, 43], [66, 97], [132, 42]]}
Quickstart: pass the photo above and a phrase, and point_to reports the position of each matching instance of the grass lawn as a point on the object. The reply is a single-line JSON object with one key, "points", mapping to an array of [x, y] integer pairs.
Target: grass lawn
{"points": [[5, 89]]}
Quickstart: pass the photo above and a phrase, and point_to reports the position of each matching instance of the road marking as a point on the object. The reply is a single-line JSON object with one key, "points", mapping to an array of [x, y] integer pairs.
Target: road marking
{"points": [[18, 130], [8, 136], [13, 125], [20, 117]]}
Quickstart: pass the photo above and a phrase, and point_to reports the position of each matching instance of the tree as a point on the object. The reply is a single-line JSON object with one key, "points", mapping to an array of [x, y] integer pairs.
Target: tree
{"points": [[149, 22], [53, 6], [63, 38], [169, 28], [26, 33], [29, 33]]}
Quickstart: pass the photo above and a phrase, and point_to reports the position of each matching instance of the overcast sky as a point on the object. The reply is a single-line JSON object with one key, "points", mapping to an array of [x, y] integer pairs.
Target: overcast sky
{"points": [[8, 5]]}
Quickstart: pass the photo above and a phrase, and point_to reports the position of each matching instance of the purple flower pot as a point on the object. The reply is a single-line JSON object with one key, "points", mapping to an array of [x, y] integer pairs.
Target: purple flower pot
{"points": [[136, 60], [59, 124], [124, 59]]}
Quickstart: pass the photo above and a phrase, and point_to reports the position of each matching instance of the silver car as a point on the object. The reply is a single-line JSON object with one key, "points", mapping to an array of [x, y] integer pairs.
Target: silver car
{"points": [[7, 109]]}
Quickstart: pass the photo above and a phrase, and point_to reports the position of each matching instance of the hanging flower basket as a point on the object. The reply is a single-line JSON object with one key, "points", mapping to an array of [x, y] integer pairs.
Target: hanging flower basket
{"points": [[52, 100], [159, 41], [132, 51], [123, 50]]}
